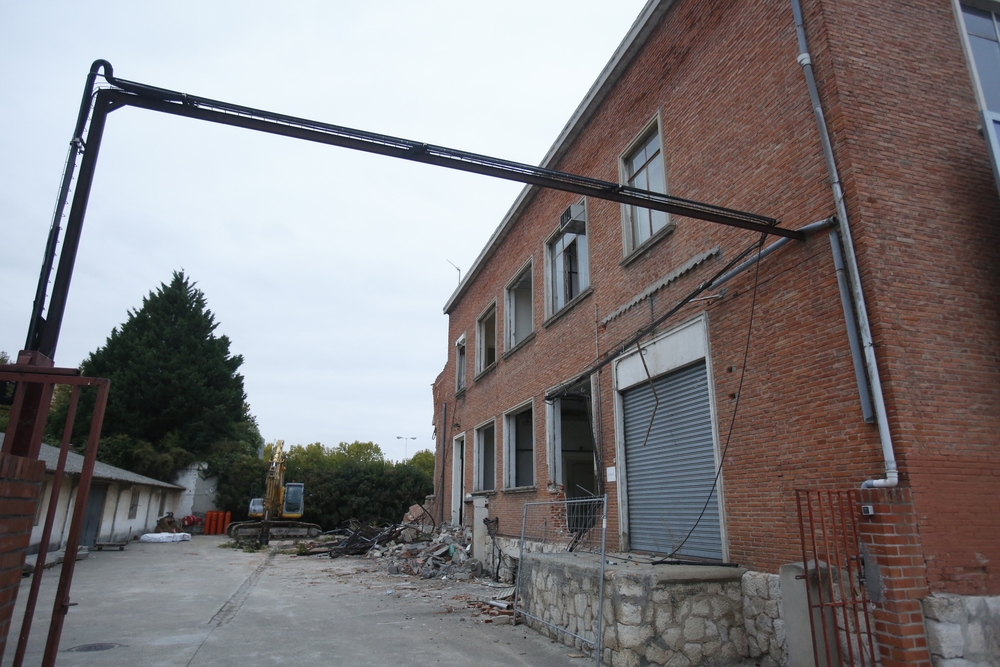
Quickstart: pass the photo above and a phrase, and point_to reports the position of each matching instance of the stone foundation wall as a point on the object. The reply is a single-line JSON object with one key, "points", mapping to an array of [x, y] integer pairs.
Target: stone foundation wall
{"points": [[963, 630], [673, 615], [762, 618]]}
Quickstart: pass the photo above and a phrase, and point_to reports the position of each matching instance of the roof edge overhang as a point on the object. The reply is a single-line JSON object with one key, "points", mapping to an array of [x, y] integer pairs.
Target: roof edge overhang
{"points": [[634, 40]]}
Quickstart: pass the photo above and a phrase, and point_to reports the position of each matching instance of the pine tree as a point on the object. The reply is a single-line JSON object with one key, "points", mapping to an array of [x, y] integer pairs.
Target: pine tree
{"points": [[176, 395]]}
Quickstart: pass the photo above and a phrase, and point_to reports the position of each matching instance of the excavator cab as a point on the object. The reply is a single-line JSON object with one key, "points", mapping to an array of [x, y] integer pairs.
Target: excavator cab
{"points": [[256, 510], [293, 506]]}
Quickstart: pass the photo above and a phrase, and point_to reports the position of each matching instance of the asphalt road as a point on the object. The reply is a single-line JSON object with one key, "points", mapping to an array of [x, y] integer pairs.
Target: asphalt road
{"points": [[191, 604]]}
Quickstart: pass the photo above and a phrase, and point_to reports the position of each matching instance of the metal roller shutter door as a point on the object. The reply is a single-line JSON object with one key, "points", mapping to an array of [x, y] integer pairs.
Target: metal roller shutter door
{"points": [[671, 476]]}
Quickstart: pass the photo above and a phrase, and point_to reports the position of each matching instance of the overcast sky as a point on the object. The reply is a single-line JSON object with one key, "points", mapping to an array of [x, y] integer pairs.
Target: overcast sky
{"points": [[327, 268]]}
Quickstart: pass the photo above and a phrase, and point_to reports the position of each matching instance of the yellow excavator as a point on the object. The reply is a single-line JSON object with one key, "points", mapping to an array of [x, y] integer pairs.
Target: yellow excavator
{"points": [[274, 515]]}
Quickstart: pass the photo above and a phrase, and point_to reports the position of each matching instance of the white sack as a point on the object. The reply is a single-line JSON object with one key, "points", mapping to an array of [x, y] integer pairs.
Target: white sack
{"points": [[165, 537]]}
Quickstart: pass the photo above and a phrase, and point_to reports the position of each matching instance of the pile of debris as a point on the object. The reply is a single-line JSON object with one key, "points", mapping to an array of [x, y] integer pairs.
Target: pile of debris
{"points": [[445, 554], [498, 610]]}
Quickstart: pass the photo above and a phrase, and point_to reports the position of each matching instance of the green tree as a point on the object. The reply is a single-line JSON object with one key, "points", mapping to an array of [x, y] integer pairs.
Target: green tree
{"points": [[360, 452], [424, 461], [176, 393], [354, 481]]}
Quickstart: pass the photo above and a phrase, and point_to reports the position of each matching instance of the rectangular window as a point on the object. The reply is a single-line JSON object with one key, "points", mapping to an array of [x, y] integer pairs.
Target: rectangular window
{"points": [[519, 429], [569, 264], [486, 458], [486, 339], [642, 167], [460, 364], [982, 42], [133, 508], [41, 501], [519, 308]]}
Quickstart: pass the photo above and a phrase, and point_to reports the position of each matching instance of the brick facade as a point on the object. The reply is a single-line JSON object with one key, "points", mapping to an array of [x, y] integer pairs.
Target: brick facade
{"points": [[20, 485], [738, 131]]}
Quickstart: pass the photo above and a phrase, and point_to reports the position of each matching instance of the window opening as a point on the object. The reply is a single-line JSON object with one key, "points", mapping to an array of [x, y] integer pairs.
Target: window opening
{"points": [[521, 466], [486, 458], [984, 42], [133, 508], [519, 309], [643, 168], [568, 259], [458, 480], [460, 364], [487, 337], [41, 500]]}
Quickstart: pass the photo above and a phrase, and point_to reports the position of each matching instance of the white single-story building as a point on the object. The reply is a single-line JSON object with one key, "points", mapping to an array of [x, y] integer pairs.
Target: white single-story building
{"points": [[121, 503]]}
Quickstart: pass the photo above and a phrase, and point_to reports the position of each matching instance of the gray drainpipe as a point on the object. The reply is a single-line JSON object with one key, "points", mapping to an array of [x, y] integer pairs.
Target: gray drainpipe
{"points": [[888, 453], [809, 229]]}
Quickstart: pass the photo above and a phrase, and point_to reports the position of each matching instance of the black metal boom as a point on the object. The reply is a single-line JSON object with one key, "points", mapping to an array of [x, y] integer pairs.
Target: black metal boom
{"points": [[43, 333]]}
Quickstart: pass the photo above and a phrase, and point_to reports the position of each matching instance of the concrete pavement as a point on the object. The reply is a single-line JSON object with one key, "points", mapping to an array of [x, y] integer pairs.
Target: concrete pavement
{"points": [[191, 604]]}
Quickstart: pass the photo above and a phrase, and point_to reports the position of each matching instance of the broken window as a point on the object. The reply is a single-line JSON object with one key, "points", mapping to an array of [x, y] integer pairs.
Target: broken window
{"points": [[569, 265], [642, 167], [460, 364], [486, 458], [486, 337], [519, 308], [520, 448], [133, 508]]}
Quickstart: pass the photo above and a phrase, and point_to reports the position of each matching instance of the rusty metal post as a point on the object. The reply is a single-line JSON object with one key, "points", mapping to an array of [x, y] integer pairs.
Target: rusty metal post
{"points": [[30, 407], [62, 603], [50, 518]]}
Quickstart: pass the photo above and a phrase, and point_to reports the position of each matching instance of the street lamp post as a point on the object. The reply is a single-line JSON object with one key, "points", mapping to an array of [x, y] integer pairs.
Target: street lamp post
{"points": [[404, 438]]}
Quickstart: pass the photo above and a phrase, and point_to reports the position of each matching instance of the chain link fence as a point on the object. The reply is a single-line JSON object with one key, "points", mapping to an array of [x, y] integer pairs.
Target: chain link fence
{"points": [[563, 527]]}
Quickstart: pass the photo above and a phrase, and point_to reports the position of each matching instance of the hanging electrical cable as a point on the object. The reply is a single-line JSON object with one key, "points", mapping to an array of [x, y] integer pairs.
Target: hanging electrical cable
{"points": [[732, 422]]}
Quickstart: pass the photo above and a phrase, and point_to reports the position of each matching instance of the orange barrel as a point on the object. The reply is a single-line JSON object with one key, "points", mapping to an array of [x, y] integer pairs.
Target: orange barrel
{"points": [[213, 518], [228, 520], [208, 523], [216, 520]]}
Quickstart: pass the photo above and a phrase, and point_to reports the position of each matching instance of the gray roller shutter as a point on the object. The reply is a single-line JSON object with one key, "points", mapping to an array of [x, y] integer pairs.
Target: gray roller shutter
{"points": [[670, 476]]}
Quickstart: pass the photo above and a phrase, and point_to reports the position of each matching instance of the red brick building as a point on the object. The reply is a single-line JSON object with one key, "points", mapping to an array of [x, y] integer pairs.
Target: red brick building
{"points": [[708, 101]]}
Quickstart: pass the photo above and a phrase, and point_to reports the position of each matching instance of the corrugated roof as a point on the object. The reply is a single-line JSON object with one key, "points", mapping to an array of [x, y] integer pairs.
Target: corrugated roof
{"points": [[74, 466]]}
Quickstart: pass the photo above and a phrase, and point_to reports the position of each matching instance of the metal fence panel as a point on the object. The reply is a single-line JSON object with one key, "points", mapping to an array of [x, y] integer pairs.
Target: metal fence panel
{"points": [[577, 526], [834, 570]]}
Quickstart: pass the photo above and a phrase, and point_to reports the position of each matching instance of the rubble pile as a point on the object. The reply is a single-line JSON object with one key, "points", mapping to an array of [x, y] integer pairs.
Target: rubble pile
{"points": [[498, 610], [407, 548], [446, 554]]}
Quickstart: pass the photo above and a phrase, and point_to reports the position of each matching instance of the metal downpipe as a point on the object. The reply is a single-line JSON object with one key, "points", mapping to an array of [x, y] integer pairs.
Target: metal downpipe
{"points": [[811, 228], [888, 453]]}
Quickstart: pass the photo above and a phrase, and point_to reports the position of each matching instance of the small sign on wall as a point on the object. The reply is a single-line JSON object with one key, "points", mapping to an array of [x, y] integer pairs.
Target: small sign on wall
{"points": [[612, 473]]}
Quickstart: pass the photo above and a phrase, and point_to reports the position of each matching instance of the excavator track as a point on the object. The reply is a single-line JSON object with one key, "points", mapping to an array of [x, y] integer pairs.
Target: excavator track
{"points": [[282, 530]]}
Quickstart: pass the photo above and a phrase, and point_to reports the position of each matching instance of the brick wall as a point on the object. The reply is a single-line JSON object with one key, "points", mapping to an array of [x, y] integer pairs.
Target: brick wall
{"points": [[892, 538], [737, 130], [925, 211], [20, 484]]}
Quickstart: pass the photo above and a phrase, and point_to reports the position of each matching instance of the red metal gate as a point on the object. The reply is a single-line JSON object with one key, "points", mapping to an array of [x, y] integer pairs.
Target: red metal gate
{"points": [[35, 386], [835, 578]]}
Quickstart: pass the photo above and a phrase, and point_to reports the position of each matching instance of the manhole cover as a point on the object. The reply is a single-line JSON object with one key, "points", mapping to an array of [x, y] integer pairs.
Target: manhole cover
{"points": [[85, 648]]}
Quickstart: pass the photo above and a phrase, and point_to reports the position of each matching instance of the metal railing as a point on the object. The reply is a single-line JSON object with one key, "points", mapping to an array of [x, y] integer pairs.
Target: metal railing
{"points": [[23, 438], [566, 526], [835, 576]]}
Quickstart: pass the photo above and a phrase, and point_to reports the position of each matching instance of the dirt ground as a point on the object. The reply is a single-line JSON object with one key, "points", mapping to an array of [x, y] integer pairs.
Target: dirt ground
{"points": [[194, 604]]}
